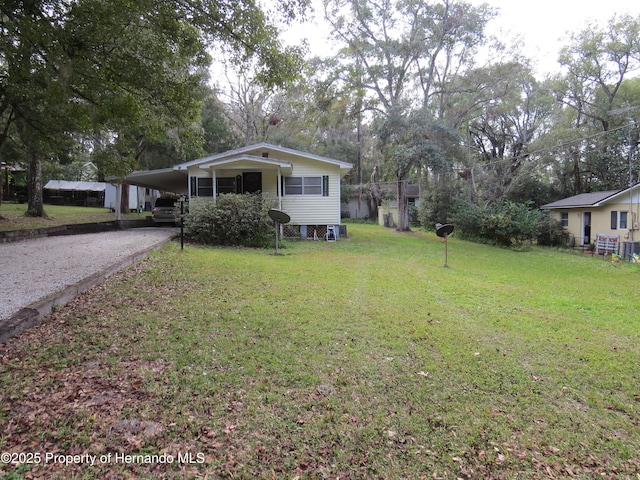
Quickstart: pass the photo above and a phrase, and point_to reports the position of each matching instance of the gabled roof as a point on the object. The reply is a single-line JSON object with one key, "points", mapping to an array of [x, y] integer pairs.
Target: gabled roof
{"points": [[257, 151], [246, 159], [593, 199]]}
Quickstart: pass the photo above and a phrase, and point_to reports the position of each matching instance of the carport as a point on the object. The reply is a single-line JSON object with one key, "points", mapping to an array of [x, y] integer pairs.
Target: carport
{"points": [[165, 180]]}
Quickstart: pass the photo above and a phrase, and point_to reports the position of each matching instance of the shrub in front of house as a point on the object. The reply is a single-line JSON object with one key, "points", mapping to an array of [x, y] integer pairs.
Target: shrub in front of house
{"points": [[233, 220], [551, 232]]}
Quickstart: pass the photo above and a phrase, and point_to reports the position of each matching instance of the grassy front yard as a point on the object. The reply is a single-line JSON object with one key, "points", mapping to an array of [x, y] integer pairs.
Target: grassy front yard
{"points": [[363, 358], [12, 216]]}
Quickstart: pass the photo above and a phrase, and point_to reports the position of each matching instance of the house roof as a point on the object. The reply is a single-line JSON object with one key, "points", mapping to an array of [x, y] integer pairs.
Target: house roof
{"points": [[76, 186], [592, 199], [258, 150], [249, 160], [174, 179]]}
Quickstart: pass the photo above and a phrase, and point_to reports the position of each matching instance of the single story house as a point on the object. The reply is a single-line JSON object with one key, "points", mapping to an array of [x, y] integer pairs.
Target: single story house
{"points": [[303, 185], [612, 214]]}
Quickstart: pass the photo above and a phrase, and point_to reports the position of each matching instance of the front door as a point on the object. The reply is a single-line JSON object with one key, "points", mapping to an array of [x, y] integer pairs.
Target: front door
{"points": [[586, 222], [251, 182]]}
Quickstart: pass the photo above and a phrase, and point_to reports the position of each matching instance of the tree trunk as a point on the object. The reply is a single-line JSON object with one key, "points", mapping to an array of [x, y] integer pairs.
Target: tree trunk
{"points": [[124, 199], [402, 210], [35, 206], [376, 194]]}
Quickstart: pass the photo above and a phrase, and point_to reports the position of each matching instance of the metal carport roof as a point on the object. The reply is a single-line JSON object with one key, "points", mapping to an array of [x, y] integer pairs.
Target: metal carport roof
{"points": [[166, 180], [76, 186]]}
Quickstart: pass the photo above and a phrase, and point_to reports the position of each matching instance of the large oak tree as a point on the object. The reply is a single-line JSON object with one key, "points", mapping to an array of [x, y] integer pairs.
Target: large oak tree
{"points": [[404, 54], [128, 69]]}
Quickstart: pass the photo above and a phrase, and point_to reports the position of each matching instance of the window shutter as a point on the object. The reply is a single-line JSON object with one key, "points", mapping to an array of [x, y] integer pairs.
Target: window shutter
{"points": [[614, 220], [325, 185]]}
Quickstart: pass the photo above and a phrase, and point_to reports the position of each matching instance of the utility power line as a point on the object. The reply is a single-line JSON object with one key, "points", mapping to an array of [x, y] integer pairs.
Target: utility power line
{"points": [[555, 147]]}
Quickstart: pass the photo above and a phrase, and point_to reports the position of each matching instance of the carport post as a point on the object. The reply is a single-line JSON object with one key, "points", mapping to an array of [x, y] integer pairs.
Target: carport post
{"points": [[118, 201]]}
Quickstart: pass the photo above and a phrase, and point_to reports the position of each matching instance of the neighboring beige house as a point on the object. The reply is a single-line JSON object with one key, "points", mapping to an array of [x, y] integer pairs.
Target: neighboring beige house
{"points": [[303, 185], [613, 213]]}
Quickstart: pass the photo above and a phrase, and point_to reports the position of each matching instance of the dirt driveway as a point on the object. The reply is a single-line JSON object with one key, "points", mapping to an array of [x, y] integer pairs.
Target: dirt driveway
{"points": [[37, 274]]}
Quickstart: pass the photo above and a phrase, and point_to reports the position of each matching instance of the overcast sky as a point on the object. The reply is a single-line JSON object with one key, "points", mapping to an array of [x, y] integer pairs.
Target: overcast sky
{"points": [[543, 25]]}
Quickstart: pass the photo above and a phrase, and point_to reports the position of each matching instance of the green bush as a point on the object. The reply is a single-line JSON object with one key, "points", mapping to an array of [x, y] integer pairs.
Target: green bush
{"points": [[438, 204], [238, 220], [503, 223], [551, 232]]}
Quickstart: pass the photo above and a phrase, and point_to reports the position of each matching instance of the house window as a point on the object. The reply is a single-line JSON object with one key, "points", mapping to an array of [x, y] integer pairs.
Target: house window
{"points": [[201, 187], [303, 185], [205, 187], [564, 219], [623, 220], [619, 220], [226, 185]]}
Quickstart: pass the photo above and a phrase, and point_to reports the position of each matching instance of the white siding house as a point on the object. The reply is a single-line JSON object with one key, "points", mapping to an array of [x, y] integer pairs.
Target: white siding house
{"points": [[303, 185]]}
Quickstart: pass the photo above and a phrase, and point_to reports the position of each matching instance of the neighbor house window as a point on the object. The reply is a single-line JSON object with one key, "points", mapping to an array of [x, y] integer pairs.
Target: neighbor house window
{"points": [[623, 220], [618, 220], [304, 185], [564, 219]]}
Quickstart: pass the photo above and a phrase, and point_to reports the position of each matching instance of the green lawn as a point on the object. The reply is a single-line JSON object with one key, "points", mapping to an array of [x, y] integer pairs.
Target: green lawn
{"points": [[364, 358], [12, 216]]}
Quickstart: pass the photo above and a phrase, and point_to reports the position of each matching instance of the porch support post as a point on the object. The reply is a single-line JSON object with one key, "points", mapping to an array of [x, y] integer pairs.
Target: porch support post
{"points": [[118, 201], [279, 189], [189, 186]]}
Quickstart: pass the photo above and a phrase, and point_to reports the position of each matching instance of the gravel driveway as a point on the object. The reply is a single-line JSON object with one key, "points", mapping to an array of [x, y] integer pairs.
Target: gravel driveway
{"points": [[31, 270]]}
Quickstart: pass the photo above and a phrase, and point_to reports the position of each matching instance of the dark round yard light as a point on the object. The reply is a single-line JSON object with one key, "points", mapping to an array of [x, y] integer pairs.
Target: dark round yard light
{"points": [[279, 217], [443, 231]]}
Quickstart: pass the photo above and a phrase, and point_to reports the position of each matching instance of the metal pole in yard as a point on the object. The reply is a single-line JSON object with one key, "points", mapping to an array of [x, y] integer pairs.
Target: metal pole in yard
{"points": [[182, 223], [446, 251]]}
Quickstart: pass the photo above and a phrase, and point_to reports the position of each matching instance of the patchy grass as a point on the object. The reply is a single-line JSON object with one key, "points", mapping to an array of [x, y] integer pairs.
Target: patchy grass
{"points": [[12, 216], [363, 358]]}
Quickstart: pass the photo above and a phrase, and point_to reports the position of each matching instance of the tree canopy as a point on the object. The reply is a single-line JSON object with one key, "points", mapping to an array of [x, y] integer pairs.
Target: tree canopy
{"points": [[123, 71]]}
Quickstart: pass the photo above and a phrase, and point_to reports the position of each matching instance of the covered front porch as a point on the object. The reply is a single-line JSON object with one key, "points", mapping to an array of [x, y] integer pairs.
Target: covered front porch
{"points": [[244, 174]]}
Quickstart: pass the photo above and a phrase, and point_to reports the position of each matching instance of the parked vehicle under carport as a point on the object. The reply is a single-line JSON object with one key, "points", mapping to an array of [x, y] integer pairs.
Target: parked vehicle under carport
{"points": [[166, 211]]}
